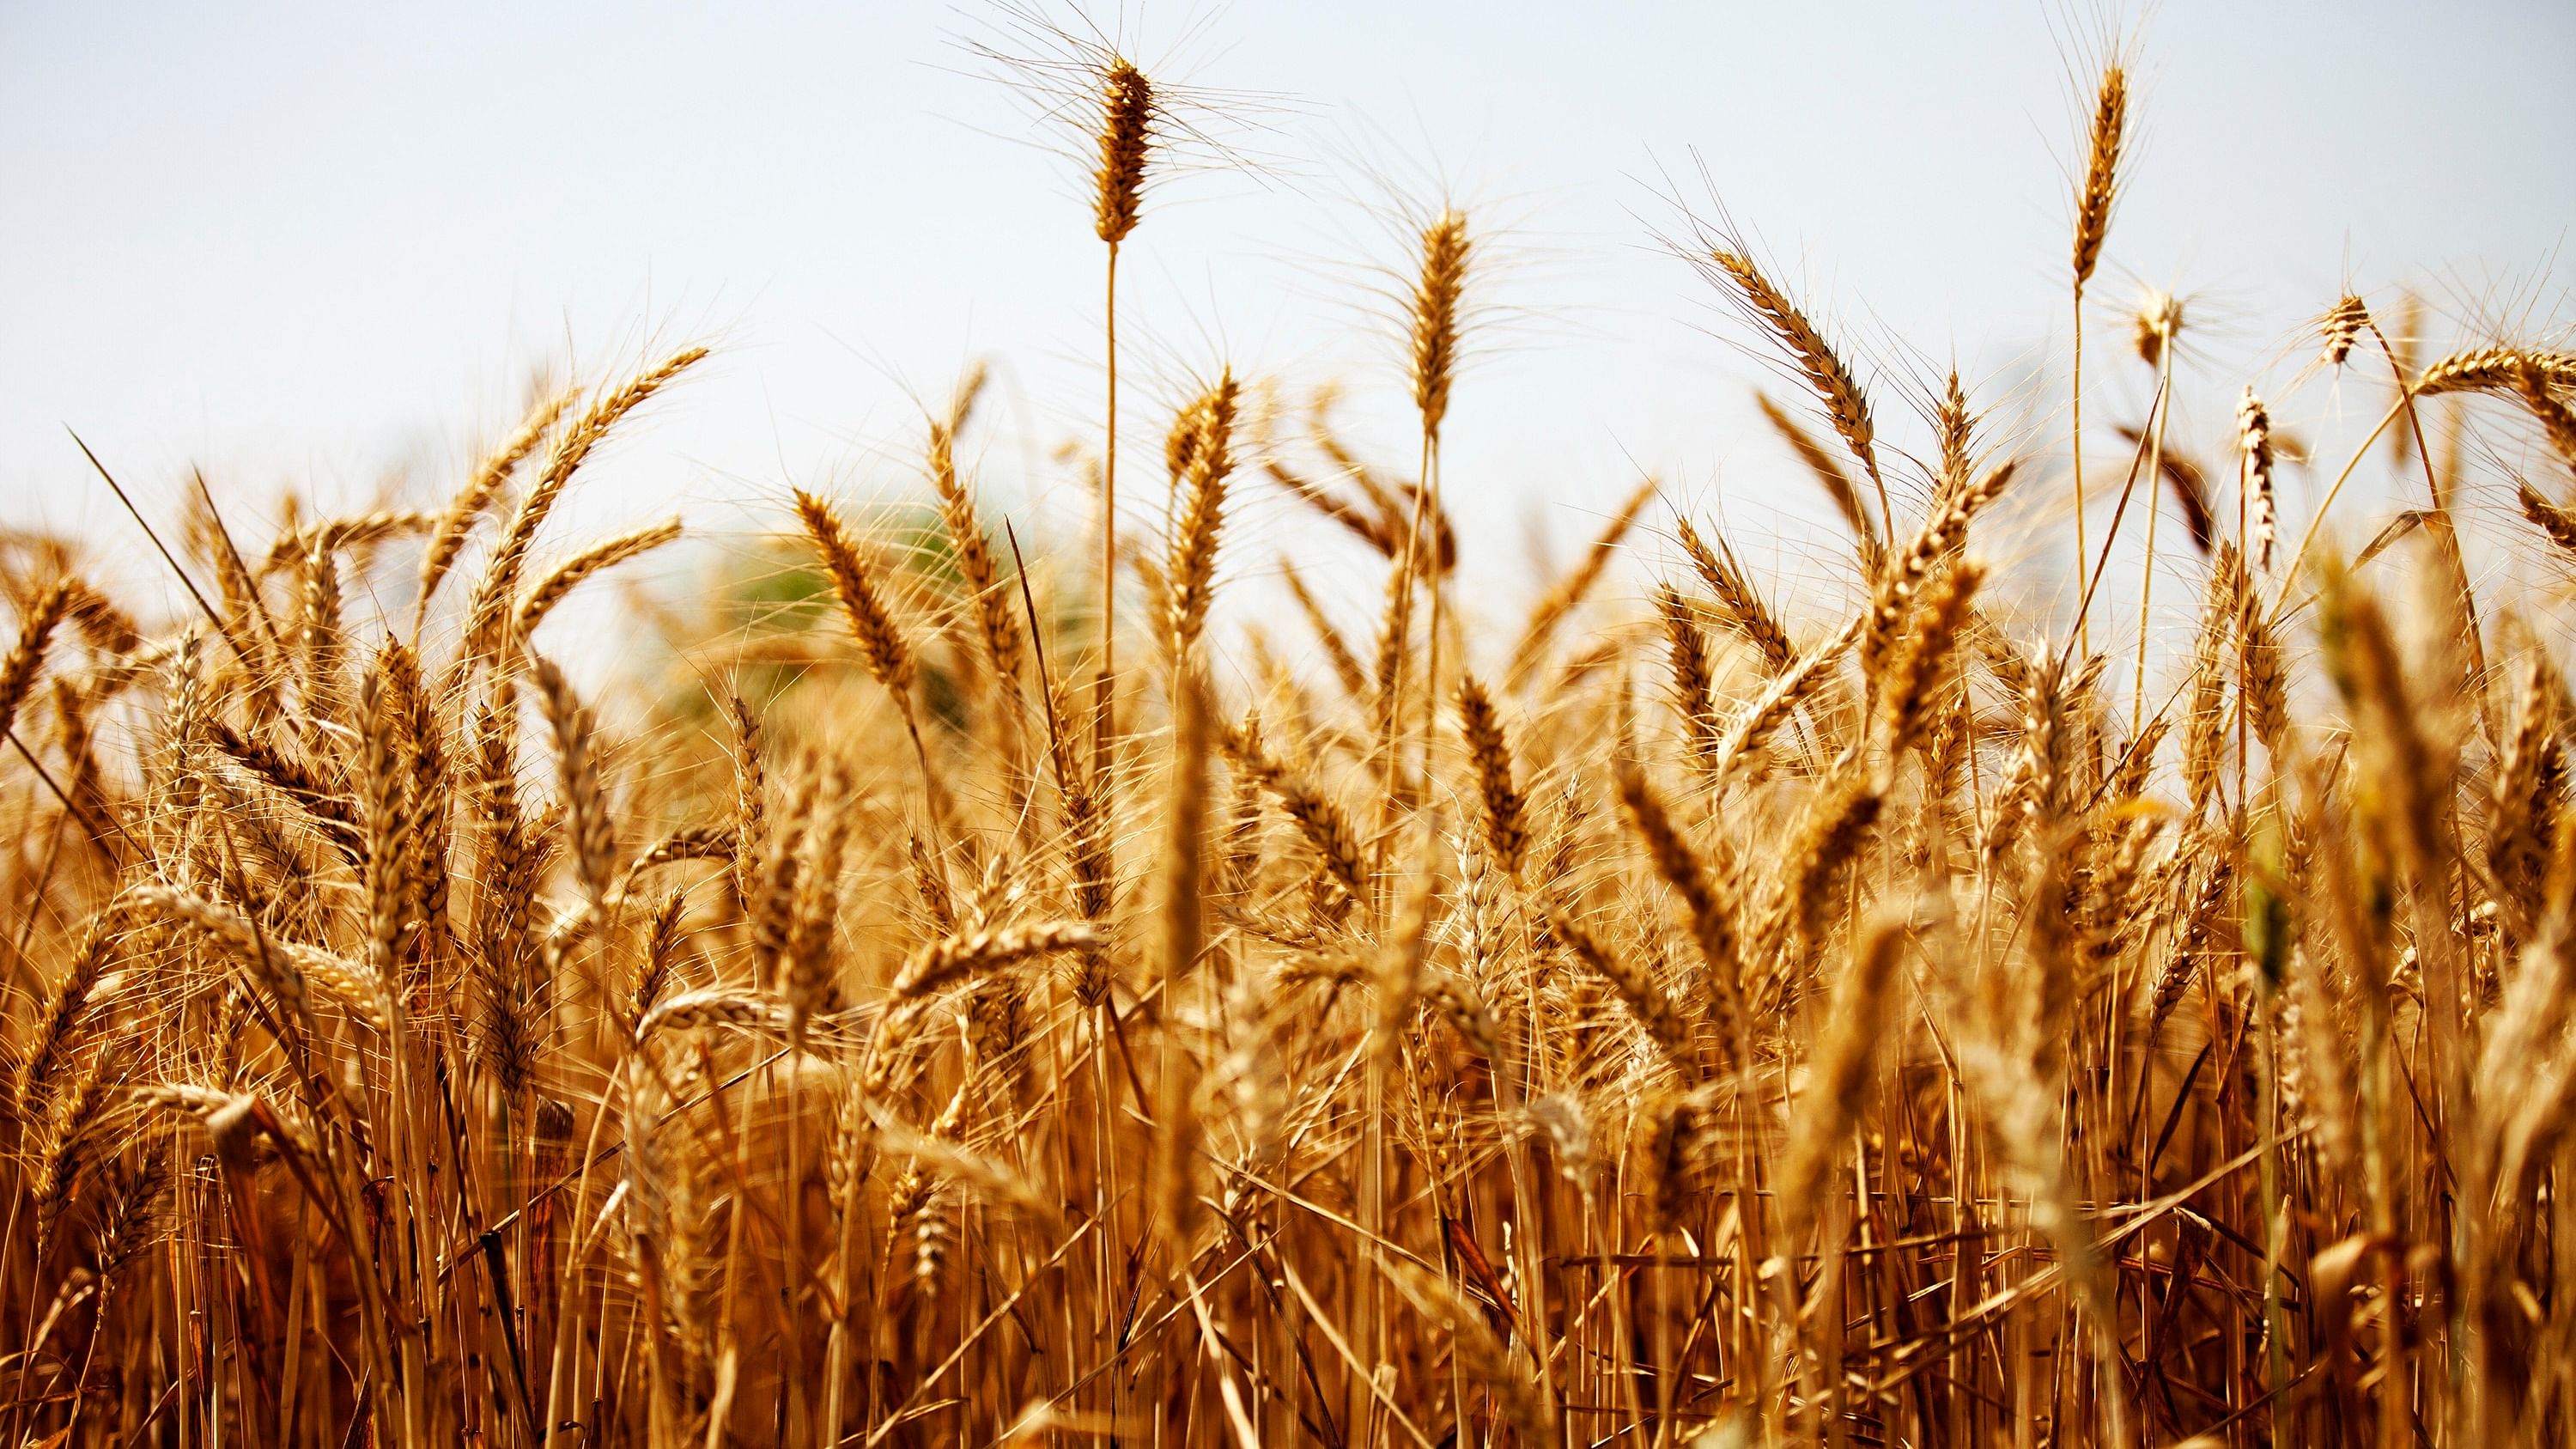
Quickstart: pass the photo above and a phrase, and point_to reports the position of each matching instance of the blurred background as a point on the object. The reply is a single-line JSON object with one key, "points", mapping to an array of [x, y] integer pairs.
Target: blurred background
{"points": [[325, 247]]}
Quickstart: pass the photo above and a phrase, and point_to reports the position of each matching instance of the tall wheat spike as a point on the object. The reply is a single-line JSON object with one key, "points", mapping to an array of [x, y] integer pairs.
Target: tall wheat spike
{"points": [[704, 1016]]}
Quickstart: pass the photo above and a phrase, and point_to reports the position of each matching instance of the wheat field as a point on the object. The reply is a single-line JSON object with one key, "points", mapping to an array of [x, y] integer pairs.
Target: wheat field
{"points": [[1001, 994]]}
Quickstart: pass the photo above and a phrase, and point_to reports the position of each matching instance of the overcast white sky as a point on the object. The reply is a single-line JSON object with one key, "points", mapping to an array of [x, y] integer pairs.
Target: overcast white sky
{"points": [[310, 244]]}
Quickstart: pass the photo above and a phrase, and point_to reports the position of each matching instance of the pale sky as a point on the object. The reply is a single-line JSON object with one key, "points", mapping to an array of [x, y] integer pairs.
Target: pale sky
{"points": [[313, 244]]}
